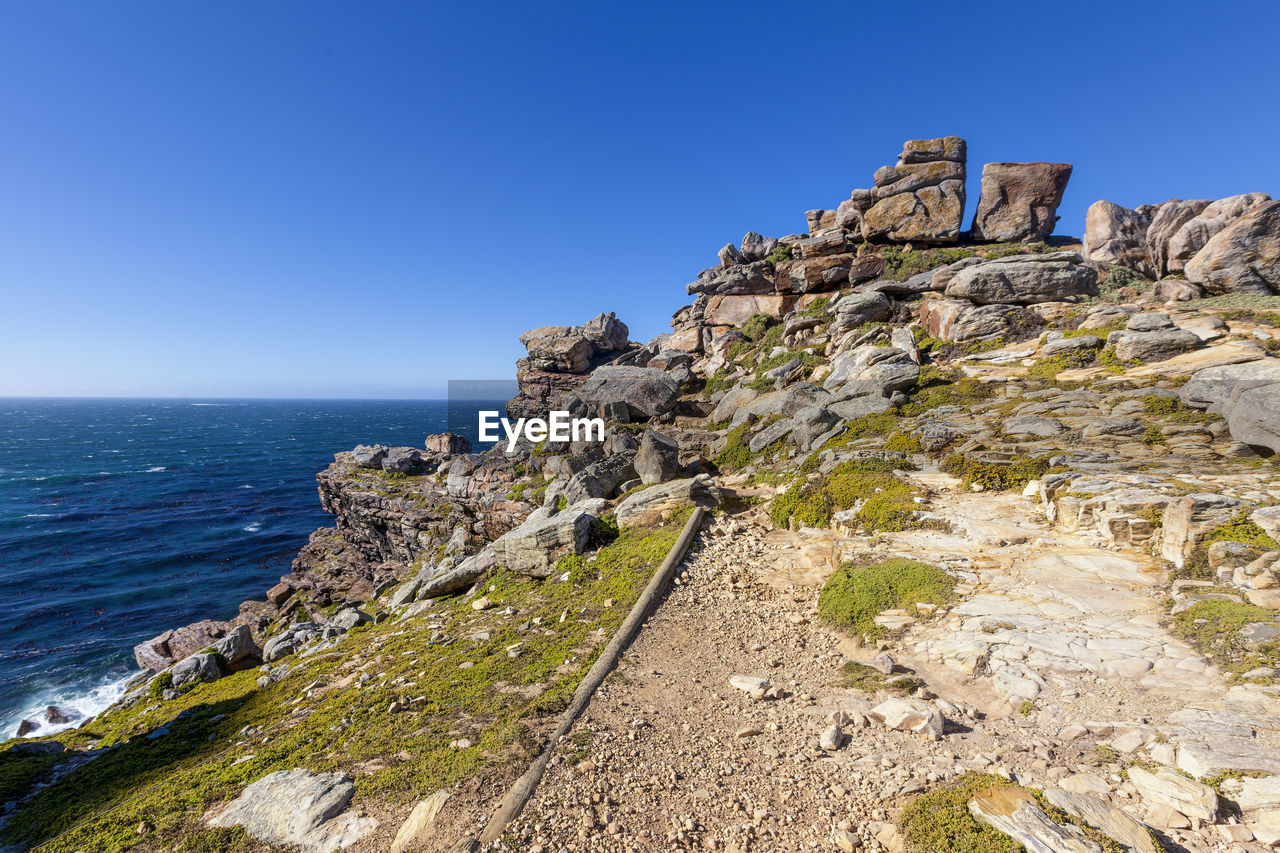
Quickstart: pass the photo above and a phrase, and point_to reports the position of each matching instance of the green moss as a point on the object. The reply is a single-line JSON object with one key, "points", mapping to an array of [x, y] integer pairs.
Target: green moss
{"points": [[1153, 434], [903, 442], [940, 822], [736, 454], [217, 840], [947, 391], [322, 717], [1011, 474], [19, 771], [856, 593], [1243, 529], [887, 502], [1027, 708], [160, 684], [1213, 627], [901, 263], [1170, 408], [780, 254], [867, 426], [755, 327]]}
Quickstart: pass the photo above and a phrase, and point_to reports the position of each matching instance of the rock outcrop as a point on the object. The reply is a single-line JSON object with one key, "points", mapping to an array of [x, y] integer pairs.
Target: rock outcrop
{"points": [[1019, 201], [560, 357], [922, 197]]}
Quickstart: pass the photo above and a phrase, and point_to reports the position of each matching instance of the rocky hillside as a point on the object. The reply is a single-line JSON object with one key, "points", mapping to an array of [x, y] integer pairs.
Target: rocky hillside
{"points": [[993, 562]]}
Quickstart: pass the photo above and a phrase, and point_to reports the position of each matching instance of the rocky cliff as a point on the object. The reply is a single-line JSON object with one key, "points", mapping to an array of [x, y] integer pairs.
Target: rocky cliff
{"points": [[995, 559]]}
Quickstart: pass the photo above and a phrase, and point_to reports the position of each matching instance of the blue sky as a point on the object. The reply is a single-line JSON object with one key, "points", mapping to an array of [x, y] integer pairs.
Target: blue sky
{"points": [[368, 199]]}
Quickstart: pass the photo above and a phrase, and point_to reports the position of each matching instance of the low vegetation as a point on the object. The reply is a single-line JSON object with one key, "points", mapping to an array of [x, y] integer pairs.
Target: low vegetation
{"points": [[996, 474], [857, 592], [883, 501], [1213, 626], [463, 674]]}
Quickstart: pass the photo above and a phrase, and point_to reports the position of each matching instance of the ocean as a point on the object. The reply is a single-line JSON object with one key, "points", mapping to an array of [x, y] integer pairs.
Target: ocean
{"points": [[122, 518]]}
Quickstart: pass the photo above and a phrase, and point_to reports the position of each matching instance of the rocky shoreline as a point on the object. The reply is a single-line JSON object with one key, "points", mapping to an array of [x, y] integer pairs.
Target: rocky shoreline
{"points": [[1079, 436]]}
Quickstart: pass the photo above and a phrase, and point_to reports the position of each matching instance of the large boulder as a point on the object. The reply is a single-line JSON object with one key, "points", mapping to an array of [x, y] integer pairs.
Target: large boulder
{"points": [[647, 507], [736, 310], [786, 402], [195, 669], [752, 278], [1212, 218], [855, 309], [1244, 257], [1019, 201], [1117, 235], [1025, 279], [959, 320], [872, 368], [647, 392], [733, 399], [601, 479], [756, 247], [658, 458], [1247, 395], [545, 536], [922, 197], [1156, 345], [1165, 225], [298, 810], [238, 649]]}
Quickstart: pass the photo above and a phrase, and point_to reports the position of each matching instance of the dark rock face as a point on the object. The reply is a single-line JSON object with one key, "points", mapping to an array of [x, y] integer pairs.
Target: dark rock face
{"points": [[1117, 235], [1019, 201], [601, 479], [959, 320]]}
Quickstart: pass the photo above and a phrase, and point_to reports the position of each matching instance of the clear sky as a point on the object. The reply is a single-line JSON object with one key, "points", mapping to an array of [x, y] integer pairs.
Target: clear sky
{"points": [[355, 199]]}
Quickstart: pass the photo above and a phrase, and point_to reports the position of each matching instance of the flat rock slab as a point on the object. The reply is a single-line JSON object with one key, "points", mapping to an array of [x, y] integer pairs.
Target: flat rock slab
{"points": [[1016, 813], [1104, 818], [298, 809]]}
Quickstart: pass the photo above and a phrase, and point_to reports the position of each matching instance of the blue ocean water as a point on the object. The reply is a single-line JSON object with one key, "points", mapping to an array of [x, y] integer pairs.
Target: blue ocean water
{"points": [[121, 518]]}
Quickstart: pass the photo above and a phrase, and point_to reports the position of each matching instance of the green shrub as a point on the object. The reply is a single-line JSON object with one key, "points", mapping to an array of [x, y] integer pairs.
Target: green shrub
{"points": [[903, 442], [1213, 627], [19, 771], [160, 684], [940, 822], [901, 263], [1241, 528], [853, 596], [887, 501], [1153, 434], [756, 326], [736, 455], [1012, 474], [781, 253]]}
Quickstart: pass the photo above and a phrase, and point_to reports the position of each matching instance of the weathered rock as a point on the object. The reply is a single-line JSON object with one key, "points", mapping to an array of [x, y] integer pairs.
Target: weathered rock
{"points": [[367, 456], [922, 197], [809, 423], [1186, 796], [601, 479], [448, 443], [419, 828], [1017, 814], [909, 715], [752, 278], [1019, 201], [1032, 426], [785, 401], [646, 507], [1117, 235], [1024, 279], [534, 547], [290, 641], [1152, 346], [238, 649], [751, 685], [887, 369], [298, 809], [1176, 290], [733, 399], [856, 309], [730, 256], [1244, 257], [195, 669], [1259, 802], [756, 247], [959, 320], [1171, 216], [658, 458], [1213, 218], [404, 460], [1187, 518], [1104, 817], [734, 310], [646, 392]]}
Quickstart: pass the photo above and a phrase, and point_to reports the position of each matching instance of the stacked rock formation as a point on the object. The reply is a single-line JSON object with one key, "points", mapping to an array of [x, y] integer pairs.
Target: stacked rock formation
{"points": [[1019, 201], [922, 197], [1231, 245], [560, 358]]}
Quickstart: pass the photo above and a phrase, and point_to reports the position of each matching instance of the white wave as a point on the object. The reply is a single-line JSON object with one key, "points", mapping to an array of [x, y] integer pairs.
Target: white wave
{"points": [[253, 528], [39, 515], [156, 469], [88, 703]]}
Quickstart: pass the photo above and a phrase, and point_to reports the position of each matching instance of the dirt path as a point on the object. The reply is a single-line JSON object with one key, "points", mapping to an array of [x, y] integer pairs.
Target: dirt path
{"points": [[1057, 646]]}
